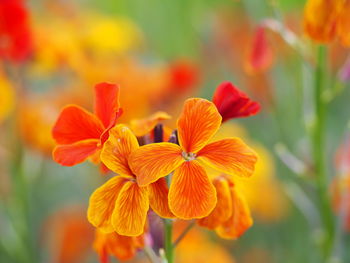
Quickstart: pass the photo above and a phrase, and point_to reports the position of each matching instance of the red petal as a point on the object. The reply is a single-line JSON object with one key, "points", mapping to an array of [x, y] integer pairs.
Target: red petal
{"points": [[71, 154], [106, 102], [233, 103], [260, 56], [75, 124]]}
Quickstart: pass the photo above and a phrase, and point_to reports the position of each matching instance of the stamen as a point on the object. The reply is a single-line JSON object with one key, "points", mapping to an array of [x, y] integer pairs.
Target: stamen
{"points": [[188, 156]]}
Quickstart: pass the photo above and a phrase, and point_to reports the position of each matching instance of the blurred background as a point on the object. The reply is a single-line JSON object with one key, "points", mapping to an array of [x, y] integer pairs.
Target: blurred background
{"points": [[53, 52]]}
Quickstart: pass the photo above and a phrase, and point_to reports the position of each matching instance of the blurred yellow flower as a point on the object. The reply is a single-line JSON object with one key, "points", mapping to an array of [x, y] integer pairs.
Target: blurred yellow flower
{"points": [[105, 35], [7, 97], [197, 247]]}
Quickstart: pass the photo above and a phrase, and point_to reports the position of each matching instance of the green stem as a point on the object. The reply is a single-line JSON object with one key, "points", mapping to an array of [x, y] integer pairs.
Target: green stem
{"points": [[319, 150], [168, 231]]}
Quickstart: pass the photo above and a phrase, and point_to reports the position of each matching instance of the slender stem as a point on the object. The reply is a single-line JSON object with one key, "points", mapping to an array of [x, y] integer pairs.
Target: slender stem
{"points": [[168, 231], [184, 233], [319, 150]]}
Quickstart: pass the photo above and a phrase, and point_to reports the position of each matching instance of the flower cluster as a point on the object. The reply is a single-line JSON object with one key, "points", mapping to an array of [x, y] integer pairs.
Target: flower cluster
{"points": [[167, 173]]}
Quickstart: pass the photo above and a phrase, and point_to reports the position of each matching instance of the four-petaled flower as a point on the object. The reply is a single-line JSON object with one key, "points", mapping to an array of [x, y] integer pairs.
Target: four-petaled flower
{"points": [[191, 193], [121, 205], [81, 134]]}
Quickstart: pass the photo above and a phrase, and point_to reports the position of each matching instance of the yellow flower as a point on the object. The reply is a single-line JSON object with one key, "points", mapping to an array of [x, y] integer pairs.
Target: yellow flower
{"points": [[7, 98], [106, 35]]}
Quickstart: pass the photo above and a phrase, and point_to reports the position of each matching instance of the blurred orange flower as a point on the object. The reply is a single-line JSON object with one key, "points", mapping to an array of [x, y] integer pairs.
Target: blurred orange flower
{"points": [[121, 205], [121, 247], [231, 216], [325, 20], [81, 134], [69, 235], [197, 124]]}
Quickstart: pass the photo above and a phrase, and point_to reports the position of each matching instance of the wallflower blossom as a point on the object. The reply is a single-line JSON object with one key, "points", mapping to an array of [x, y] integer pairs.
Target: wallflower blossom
{"points": [[326, 20], [81, 134], [233, 103], [112, 244], [259, 56], [15, 34], [191, 194], [121, 205], [231, 216]]}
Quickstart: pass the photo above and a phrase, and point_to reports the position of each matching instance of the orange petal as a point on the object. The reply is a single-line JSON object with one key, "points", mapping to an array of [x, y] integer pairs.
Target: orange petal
{"points": [[72, 154], [144, 126], [191, 193], [320, 19], [121, 247], [106, 102], [343, 24], [240, 219], [223, 209], [76, 124], [197, 124], [102, 203], [117, 149], [158, 198], [230, 156], [153, 161], [130, 212]]}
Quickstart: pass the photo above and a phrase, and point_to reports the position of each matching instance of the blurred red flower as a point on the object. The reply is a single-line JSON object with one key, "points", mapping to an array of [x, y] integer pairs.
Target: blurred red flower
{"points": [[15, 35], [260, 55], [184, 75]]}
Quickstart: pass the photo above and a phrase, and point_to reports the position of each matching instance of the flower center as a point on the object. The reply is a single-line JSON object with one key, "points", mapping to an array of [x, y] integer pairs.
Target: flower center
{"points": [[188, 156]]}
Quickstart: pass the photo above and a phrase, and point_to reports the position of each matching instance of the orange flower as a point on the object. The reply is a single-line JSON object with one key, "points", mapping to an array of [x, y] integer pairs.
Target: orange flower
{"points": [[231, 216], [191, 194], [79, 133], [120, 204], [68, 235], [324, 20], [122, 247]]}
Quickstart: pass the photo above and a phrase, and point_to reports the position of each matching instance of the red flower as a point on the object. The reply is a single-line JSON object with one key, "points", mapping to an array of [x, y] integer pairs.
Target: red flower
{"points": [[184, 75], [81, 134], [15, 36], [260, 55], [233, 103]]}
